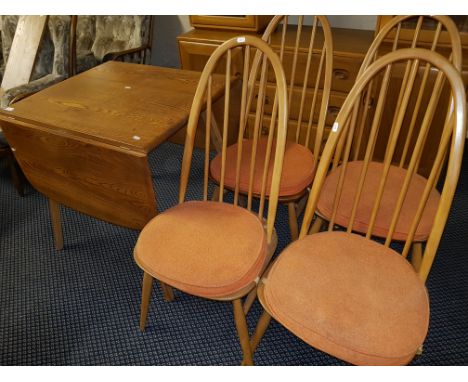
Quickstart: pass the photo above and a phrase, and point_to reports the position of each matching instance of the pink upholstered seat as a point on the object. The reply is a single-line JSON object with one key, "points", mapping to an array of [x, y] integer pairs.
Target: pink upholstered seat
{"points": [[207, 249], [298, 168], [392, 189], [350, 297]]}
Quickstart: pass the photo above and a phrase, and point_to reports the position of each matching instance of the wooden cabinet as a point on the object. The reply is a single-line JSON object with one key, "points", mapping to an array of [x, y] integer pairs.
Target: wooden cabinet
{"points": [[246, 23], [350, 47]]}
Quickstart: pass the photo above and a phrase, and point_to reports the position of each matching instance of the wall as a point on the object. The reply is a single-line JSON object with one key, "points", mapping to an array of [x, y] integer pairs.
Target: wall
{"points": [[165, 51], [166, 29]]}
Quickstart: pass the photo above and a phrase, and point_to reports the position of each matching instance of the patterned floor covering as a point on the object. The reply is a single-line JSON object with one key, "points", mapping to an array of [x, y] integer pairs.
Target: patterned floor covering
{"points": [[80, 306]]}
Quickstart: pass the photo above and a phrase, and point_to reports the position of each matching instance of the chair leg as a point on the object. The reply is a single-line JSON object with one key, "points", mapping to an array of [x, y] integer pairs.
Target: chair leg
{"points": [[301, 204], [260, 330], [416, 256], [317, 226], [242, 331], [167, 292], [293, 221], [249, 300], [54, 210], [146, 290]]}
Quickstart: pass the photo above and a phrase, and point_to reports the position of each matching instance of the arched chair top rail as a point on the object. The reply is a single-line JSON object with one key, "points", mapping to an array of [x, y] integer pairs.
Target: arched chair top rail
{"points": [[273, 24], [198, 102], [327, 47], [456, 148], [446, 21]]}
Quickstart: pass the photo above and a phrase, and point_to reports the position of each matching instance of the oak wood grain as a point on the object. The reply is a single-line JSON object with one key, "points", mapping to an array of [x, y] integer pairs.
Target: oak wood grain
{"points": [[126, 105], [106, 182]]}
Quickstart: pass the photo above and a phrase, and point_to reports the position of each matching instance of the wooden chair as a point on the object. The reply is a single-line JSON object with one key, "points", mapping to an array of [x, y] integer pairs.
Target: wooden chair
{"points": [[355, 298], [214, 249], [308, 112], [445, 40]]}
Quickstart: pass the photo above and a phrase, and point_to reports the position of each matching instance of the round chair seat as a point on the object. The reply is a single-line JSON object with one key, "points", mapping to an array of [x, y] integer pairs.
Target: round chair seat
{"points": [[207, 249], [350, 297], [388, 202], [298, 168]]}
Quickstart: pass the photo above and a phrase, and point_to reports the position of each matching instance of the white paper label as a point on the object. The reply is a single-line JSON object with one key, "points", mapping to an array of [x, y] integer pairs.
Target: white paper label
{"points": [[335, 127], [136, 138], [240, 39]]}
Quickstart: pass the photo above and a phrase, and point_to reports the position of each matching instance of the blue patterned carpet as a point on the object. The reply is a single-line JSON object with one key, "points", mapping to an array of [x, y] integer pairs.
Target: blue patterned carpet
{"points": [[80, 306]]}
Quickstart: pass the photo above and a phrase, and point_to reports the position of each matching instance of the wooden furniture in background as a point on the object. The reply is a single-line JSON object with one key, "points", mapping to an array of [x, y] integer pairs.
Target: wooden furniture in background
{"points": [[242, 23], [355, 298], [209, 248], [350, 47], [311, 106], [84, 142]]}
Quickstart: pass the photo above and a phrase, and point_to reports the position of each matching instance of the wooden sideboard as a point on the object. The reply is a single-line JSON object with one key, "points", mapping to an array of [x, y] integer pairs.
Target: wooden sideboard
{"points": [[350, 47]]}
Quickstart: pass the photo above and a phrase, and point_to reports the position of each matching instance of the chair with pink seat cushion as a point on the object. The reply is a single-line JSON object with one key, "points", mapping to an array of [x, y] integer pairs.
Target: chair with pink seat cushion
{"points": [[345, 293], [446, 41], [312, 48], [214, 249]]}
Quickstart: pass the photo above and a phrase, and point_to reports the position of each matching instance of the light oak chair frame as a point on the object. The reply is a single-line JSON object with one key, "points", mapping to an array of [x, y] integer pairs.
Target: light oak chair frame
{"points": [[202, 97], [452, 143], [305, 133], [393, 31]]}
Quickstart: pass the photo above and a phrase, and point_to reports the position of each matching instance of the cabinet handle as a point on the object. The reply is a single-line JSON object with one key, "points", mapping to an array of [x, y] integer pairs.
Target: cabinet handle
{"points": [[341, 74], [371, 100], [333, 110], [267, 99]]}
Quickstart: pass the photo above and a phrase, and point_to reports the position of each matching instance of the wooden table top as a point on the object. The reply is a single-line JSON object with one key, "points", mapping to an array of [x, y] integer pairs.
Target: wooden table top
{"points": [[125, 105]]}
